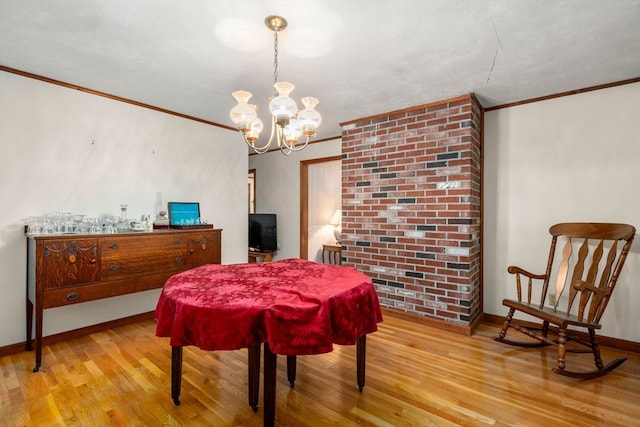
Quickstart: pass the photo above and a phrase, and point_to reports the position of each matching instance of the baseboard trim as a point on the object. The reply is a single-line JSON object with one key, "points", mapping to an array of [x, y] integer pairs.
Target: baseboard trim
{"points": [[12, 349], [617, 343], [431, 321], [76, 333]]}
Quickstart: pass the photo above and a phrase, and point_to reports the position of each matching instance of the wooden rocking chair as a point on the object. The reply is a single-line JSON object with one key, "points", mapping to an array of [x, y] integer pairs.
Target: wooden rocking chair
{"points": [[590, 292]]}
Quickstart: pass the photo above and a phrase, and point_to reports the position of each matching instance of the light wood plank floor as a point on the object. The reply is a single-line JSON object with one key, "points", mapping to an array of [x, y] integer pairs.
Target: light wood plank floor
{"points": [[416, 376]]}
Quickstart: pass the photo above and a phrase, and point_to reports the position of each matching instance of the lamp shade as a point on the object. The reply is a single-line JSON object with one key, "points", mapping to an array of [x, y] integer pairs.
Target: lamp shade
{"points": [[336, 219], [282, 107], [309, 118], [243, 113]]}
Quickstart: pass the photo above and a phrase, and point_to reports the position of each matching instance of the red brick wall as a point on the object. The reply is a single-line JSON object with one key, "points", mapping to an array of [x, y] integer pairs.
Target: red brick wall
{"points": [[411, 207]]}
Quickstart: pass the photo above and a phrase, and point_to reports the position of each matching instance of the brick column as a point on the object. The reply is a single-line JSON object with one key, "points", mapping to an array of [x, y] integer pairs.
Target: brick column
{"points": [[411, 207]]}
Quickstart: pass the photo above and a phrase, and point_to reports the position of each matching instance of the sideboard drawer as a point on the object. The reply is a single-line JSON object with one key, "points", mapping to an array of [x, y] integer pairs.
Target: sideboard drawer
{"points": [[147, 243], [118, 266], [68, 295], [99, 290]]}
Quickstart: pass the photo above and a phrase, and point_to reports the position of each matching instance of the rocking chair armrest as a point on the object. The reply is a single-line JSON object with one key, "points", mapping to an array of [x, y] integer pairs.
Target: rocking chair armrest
{"points": [[582, 286], [517, 270]]}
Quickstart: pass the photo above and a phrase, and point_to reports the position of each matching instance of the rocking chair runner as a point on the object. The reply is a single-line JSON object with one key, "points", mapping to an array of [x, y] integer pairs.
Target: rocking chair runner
{"points": [[587, 294]]}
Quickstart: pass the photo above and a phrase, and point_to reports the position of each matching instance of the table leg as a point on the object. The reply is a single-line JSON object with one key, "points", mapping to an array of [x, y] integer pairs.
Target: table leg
{"points": [[269, 393], [361, 351], [254, 376], [176, 373], [291, 370]]}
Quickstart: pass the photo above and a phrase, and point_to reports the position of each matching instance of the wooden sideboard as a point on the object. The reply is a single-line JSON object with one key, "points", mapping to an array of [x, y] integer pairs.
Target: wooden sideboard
{"points": [[70, 269]]}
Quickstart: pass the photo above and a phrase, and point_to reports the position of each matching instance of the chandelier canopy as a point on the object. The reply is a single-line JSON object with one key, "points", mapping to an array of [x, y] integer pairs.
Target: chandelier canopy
{"points": [[288, 124]]}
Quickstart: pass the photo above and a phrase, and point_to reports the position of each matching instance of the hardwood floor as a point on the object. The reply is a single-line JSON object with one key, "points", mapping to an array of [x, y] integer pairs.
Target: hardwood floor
{"points": [[416, 376]]}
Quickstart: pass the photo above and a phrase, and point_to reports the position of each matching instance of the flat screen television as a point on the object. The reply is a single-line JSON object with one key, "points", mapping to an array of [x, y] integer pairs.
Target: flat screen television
{"points": [[263, 232]]}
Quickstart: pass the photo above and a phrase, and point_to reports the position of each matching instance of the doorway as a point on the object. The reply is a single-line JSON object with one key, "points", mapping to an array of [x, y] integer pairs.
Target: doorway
{"points": [[320, 197]]}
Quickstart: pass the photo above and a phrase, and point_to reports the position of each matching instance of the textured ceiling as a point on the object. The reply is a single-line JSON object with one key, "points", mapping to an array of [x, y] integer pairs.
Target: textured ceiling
{"points": [[359, 57]]}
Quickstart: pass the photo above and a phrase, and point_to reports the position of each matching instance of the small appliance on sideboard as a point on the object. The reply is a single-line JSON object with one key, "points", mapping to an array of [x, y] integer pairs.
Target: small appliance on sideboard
{"points": [[186, 215]]}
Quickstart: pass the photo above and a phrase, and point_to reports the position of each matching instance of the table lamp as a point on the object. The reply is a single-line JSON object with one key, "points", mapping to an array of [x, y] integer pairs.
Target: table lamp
{"points": [[336, 221]]}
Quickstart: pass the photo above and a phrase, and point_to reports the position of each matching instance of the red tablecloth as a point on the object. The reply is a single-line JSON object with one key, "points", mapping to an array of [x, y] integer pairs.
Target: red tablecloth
{"points": [[298, 307]]}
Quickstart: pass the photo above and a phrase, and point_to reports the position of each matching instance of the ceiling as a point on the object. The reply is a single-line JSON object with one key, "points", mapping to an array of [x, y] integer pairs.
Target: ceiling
{"points": [[359, 57]]}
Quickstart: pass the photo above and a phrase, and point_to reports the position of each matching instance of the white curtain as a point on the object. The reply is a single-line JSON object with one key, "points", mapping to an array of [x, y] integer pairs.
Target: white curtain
{"points": [[324, 198]]}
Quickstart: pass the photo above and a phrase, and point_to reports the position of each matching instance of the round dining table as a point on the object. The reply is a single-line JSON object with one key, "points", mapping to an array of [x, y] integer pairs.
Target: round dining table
{"points": [[289, 307]]}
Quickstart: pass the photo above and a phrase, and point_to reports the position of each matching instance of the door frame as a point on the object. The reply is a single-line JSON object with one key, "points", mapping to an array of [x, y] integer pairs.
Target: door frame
{"points": [[252, 191]]}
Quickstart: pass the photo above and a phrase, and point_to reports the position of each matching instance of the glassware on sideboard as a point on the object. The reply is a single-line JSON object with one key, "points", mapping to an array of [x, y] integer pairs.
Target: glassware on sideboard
{"points": [[69, 223], [123, 225]]}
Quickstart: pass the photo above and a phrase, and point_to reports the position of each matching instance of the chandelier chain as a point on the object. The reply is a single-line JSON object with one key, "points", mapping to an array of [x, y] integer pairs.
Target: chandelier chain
{"points": [[275, 57]]}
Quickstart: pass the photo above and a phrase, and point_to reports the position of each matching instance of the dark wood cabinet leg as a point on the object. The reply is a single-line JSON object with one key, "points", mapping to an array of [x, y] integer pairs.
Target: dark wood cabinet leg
{"points": [[29, 324], [39, 310], [29, 303], [254, 376], [361, 351], [270, 362], [176, 373], [291, 370]]}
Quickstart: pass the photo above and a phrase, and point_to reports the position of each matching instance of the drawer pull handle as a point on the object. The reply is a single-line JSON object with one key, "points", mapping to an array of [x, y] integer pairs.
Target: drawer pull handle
{"points": [[113, 267], [73, 296], [72, 258], [178, 260], [114, 246], [204, 247], [92, 261]]}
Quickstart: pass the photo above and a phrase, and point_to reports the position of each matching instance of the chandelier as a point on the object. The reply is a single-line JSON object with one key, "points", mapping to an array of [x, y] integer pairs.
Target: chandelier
{"points": [[287, 123]]}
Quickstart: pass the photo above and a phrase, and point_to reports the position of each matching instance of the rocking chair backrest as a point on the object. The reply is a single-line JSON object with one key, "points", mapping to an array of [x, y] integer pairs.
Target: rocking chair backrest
{"points": [[592, 276]]}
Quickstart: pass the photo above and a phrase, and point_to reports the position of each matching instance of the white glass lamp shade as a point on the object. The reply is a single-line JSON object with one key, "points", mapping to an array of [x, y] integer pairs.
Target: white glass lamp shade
{"points": [[282, 107], [292, 132], [243, 114], [254, 131], [309, 118]]}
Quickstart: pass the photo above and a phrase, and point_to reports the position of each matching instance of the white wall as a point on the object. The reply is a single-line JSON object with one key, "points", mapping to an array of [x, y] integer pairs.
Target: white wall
{"points": [[278, 190], [574, 158], [66, 150]]}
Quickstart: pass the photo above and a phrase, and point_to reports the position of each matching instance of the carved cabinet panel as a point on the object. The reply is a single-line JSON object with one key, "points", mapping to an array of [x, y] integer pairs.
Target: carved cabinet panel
{"points": [[203, 248], [69, 262]]}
